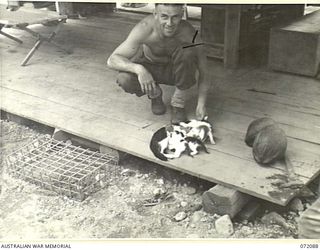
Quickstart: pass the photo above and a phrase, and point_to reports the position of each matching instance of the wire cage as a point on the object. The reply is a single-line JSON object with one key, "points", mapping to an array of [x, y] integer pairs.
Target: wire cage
{"points": [[66, 169]]}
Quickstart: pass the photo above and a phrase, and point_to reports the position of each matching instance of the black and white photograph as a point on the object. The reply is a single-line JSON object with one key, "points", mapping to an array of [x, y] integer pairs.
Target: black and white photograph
{"points": [[173, 120]]}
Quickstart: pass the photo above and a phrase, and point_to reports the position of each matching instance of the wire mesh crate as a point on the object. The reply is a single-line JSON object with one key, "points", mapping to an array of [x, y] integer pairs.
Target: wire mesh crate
{"points": [[63, 168]]}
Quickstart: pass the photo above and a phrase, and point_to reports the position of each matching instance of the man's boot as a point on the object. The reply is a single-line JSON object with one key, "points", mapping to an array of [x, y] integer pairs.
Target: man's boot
{"points": [[157, 105], [178, 115]]}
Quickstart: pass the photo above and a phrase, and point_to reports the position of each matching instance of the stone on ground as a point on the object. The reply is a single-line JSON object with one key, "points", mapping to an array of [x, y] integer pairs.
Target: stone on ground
{"points": [[296, 205], [180, 216], [224, 226], [274, 218]]}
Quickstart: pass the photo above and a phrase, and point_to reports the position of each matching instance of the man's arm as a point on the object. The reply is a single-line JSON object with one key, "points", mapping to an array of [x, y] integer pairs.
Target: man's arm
{"points": [[203, 83], [191, 36], [120, 58]]}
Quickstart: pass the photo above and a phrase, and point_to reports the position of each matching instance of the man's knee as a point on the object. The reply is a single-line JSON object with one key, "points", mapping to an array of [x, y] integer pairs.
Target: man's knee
{"points": [[129, 83]]}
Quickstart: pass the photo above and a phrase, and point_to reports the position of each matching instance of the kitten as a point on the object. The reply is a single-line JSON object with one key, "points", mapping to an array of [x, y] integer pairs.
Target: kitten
{"points": [[194, 146], [168, 143], [171, 141], [201, 130]]}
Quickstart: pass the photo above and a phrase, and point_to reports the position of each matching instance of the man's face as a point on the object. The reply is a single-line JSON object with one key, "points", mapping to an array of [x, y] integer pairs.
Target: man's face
{"points": [[168, 18]]}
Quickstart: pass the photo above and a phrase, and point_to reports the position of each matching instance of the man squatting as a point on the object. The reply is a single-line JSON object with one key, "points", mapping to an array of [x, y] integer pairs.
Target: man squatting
{"points": [[157, 51], [153, 54]]}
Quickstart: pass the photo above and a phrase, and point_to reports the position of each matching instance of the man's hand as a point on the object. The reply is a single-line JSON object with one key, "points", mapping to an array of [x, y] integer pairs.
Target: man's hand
{"points": [[146, 81], [201, 111]]}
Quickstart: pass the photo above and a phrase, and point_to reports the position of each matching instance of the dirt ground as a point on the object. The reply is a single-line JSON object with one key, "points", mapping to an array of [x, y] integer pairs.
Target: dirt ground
{"points": [[148, 201]]}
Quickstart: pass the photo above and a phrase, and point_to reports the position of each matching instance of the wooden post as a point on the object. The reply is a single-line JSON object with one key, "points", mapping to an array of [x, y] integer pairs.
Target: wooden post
{"points": [[64, 8], [231, 36], [222, 200], [60, 135], [112, 152], [249, 211]]}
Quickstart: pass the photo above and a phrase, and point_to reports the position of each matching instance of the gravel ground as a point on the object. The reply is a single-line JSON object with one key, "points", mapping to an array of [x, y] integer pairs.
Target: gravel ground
{"points": [[147, 201]]}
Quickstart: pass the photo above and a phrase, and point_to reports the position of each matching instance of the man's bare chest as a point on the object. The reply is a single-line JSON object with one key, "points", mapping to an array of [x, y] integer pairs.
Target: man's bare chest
{"points": [[163, 48]]}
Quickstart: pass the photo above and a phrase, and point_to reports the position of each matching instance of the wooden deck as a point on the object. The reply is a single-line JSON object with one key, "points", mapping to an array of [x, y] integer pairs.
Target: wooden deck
{"points": [[77, 93]]}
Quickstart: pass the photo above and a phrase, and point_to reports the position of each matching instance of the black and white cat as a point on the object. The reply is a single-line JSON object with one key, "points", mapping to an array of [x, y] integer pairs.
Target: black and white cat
{"points": [[171, 141], [201, 130]]}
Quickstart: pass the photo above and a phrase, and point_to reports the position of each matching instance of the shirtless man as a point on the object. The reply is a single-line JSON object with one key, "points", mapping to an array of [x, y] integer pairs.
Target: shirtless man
{"points": [[159, 50]]}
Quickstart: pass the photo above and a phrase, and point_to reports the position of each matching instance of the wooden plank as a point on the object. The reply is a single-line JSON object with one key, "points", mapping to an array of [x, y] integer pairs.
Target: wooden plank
{"points": [[286, 91], [294, 123], [229, 141], [276, 101], [102, 105], [225, 168], [298, 87], [227, 119], [304, 156], [103, 95], [217, 167], [306, 163], [57, 115]]}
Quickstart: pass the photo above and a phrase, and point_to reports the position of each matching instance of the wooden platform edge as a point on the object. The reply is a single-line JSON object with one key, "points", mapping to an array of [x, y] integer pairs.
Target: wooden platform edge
{"points": [[282, 202], [32, 103]]}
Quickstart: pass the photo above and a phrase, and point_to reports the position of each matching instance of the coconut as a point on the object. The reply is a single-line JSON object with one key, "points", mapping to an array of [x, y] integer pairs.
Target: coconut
{"points": [[255, 127], [269, 145]]}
